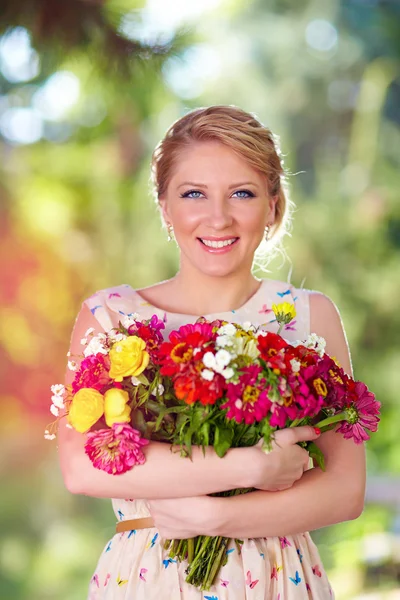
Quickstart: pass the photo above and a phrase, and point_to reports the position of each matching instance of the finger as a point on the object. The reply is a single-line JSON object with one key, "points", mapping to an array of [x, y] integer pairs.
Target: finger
{"points": [[292, 435]]}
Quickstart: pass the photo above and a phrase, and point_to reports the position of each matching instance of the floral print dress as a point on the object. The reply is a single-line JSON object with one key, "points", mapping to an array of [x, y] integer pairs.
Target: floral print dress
{"points": [[134, 564]]}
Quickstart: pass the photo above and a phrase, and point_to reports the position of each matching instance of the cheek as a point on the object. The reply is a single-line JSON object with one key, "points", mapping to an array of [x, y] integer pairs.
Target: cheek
{"points": [[186, 218]]}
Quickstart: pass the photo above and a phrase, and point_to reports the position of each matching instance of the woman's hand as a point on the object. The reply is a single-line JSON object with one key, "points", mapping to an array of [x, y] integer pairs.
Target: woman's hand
{"points": [[285, 464], [181, 518]]}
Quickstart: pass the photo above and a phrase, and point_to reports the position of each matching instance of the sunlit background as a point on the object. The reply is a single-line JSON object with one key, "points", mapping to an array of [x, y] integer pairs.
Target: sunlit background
{"points": [[86, 91]]}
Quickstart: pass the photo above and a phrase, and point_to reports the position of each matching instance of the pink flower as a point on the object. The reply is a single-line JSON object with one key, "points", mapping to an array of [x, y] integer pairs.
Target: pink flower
{"points": [[248, 400], [362, 413], [93, 373], [115, 450]]}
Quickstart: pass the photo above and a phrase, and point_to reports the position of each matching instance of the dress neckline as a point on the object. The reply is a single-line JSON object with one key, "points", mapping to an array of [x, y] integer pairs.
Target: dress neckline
{"points": [[244, 306]]}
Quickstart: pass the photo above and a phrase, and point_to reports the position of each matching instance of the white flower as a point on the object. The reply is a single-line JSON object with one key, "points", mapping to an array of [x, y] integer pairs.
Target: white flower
{"points": [[129, 320], [238, 403], [72, 366], [295, 365], [135, 380], [260, 332], [96, 345], [89, 331], [68, 425], [160, 390], [228, 329], [58, 401], [224, 340], [68, 353], [54, 410], [209, 360], [58, 389], [222, 358], [49, 436], [207, 374], [115, 336], [228, 373], [315, 342], [83, 341], [247, 326]]}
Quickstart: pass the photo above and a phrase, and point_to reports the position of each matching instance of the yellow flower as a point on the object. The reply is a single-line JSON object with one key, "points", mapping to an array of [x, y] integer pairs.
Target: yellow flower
{"points": [[284, 312], [116, 408], [128, 358], [86, 409]]}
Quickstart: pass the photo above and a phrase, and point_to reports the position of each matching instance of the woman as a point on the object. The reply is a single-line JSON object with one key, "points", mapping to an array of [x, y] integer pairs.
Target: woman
{"points": [[219, 184]]}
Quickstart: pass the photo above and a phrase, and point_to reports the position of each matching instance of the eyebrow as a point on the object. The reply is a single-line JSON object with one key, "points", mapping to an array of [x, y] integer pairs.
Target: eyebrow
{"points": [[194, 184]]}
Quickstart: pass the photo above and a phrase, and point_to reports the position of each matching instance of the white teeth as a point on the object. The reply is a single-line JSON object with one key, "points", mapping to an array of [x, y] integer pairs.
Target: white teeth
{"points": [[213, 244]]}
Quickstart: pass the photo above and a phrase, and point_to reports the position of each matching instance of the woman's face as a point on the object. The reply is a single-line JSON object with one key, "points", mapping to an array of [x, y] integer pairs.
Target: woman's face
{"points": [[219, 207]]}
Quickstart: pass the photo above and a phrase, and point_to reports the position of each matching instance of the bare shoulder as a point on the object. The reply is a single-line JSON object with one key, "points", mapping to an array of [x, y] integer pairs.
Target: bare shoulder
{"points": [[326, 321]]}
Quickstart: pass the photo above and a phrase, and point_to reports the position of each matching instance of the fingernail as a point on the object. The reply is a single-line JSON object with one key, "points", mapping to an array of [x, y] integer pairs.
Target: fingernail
{"points": [[317, 431]]}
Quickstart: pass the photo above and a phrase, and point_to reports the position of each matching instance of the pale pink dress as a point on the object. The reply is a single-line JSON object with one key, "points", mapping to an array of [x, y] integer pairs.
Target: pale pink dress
{"points": [[134, 565]]}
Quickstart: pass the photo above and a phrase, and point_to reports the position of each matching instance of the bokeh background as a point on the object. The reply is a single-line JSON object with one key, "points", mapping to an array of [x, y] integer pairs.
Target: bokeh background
{"points": [[87, 88]]}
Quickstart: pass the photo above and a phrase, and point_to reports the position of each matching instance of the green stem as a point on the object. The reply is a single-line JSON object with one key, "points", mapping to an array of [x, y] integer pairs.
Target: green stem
{"points": [[330, 420], [216, 565], [190, 549]]}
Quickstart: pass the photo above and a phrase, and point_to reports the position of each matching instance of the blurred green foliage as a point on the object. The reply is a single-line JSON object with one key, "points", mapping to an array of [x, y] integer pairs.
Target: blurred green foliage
{"points": [[77, 215]]}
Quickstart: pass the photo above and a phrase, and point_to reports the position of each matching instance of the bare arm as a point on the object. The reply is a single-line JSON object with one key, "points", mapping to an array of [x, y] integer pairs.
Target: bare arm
{"points": [[319, 498], [168, 475], [165, 474]]}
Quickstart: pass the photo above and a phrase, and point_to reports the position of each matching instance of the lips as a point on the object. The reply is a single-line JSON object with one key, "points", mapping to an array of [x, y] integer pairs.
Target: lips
{"points": [[218, 245], [218, 242]]}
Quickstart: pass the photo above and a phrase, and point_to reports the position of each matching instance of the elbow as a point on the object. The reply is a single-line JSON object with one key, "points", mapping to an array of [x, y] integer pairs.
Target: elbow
{"points": [[356, 508], [353, 503], [72, 482], [70, 474]]}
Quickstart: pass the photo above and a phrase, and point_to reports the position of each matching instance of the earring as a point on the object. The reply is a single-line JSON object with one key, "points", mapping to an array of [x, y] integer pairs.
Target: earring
{"points": [[266, 232], [170, 232]]}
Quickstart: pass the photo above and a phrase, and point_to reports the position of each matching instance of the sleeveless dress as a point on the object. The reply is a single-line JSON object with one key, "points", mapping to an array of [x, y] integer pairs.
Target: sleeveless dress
{"points": [[134, 564]]}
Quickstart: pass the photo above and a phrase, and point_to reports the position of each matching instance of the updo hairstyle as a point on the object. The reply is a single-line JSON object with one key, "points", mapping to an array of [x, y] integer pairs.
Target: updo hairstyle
{"points": [[244, 134]]}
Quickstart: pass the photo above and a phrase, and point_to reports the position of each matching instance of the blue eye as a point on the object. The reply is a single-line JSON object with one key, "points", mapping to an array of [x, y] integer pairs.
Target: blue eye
{"points": [[247, 192], [187, 194]]}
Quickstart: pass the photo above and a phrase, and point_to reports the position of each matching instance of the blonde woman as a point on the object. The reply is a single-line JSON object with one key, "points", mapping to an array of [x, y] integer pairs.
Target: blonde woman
{"points": [[219, 182]]}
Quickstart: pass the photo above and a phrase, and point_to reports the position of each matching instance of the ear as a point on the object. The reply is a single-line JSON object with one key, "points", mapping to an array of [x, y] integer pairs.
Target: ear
{"points": [[164, 209], [272, 208]]}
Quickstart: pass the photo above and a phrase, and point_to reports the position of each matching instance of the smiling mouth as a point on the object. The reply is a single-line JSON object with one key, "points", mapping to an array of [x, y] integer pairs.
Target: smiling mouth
{"points": [[218, 243]]}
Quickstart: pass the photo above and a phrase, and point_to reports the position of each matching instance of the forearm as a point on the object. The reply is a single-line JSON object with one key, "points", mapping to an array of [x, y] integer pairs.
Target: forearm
{"points": [[317, 500], [165, 474]]}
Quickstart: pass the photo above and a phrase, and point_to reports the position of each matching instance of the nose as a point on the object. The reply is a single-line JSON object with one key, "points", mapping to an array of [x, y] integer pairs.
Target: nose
{"points": [[219, 213]]}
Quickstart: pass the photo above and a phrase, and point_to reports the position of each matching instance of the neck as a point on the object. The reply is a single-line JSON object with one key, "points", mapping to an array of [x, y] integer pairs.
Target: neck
{"points": [[205, 294]]}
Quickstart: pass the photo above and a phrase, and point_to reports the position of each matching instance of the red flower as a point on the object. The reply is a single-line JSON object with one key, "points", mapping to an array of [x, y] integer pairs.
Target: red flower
{"points": [[191, 387], [186, 347], [150, 332], [270, 344]]}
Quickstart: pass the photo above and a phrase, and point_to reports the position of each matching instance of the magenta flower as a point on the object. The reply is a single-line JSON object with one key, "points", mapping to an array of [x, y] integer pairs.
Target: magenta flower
{"points": [[362, 412], [93, 373], [115, 450], [248, 400]]}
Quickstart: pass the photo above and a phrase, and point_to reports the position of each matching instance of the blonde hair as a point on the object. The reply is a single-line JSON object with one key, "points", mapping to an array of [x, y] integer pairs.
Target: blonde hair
{"points": [[244, 134]]}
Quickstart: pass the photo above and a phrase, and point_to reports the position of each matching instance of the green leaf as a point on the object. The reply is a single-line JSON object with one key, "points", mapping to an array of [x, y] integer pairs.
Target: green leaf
{"points": [[316, 454], [223, 440]]}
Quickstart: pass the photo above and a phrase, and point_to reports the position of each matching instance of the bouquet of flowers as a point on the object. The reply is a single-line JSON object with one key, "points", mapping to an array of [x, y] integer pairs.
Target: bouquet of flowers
{"points": [[211, 383]]}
